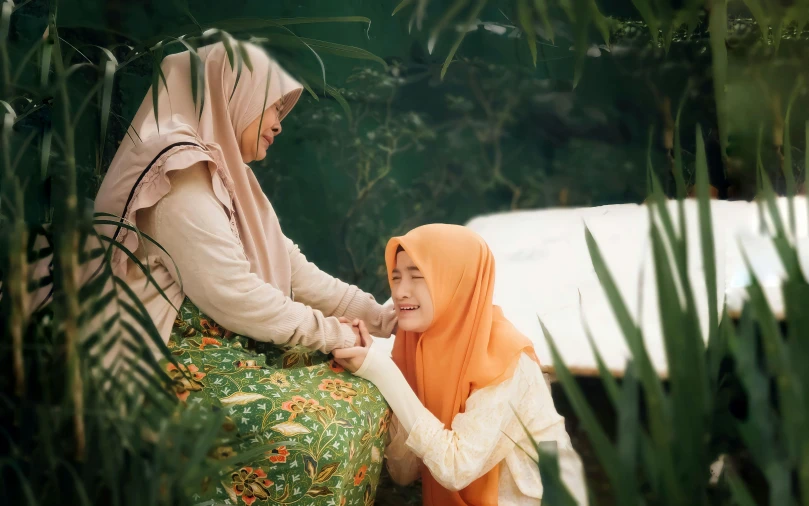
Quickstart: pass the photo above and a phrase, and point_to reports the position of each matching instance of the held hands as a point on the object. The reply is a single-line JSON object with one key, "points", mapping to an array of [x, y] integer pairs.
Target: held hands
{"points": [[351, 359]]}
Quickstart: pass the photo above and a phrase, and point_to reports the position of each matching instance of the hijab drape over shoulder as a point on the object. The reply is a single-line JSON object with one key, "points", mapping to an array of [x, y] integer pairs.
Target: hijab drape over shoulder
{"points": [[138, 175], [468, 346]]}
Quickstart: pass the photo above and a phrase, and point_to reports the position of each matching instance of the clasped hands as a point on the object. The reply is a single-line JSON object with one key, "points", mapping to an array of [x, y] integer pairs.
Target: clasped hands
{"points": [[351, 359]]}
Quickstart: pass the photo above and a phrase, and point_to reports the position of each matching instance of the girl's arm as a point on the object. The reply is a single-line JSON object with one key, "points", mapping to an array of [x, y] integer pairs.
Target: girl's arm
{"points": [[474, 444]]}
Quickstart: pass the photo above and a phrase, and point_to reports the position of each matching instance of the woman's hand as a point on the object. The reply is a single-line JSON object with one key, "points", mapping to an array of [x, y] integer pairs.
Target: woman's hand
{"points": [[352, 358], [355, 326]]}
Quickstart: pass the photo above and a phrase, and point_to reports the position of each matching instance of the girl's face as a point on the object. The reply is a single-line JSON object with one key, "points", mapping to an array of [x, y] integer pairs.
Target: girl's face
{"points": [[411, 297], [270, 128]]}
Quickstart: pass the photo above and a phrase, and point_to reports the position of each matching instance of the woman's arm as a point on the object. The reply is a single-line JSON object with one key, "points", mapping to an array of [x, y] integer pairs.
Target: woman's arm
{"points": [[333, 297], [193, 227]]}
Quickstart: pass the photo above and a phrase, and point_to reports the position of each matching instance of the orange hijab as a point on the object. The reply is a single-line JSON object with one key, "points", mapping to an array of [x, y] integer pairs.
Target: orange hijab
{"points": [[469, 345]]}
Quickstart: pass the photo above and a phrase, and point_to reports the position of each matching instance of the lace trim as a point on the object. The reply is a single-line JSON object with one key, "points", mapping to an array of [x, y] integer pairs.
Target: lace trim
{"points": [[220, 162], [156, 171]]}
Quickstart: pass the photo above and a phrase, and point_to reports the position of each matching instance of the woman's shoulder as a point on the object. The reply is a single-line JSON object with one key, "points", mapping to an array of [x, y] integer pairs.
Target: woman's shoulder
{"points": [[193, 177]]}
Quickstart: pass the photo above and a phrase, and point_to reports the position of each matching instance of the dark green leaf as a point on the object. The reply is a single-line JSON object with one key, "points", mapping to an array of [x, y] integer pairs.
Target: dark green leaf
{"points": [[106, 98], [554, 490]]}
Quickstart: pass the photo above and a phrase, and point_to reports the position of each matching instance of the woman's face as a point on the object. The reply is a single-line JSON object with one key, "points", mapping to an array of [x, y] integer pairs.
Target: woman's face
{"points": [[252, 137], [411, 297]]}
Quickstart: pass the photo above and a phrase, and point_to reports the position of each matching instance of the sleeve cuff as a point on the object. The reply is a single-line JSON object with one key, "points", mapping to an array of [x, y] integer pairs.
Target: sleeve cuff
{"points": [[422, 433], [379, 319], [345, 339]]}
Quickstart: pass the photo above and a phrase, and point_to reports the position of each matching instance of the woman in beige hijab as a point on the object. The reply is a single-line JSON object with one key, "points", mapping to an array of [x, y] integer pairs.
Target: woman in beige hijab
{"points": [[256, 320]]}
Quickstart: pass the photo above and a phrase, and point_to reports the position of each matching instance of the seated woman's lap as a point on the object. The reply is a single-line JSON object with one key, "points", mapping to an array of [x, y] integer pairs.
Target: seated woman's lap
{"points": [[333, 423]]}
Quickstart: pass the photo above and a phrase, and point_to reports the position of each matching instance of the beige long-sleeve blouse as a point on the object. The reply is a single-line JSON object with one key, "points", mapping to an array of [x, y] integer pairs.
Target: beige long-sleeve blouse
{"points": [[194, 230]]}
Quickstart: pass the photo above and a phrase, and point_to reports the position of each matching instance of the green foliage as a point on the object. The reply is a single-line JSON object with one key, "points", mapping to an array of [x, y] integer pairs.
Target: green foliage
{"points": [[88, 414], [665, 444]]}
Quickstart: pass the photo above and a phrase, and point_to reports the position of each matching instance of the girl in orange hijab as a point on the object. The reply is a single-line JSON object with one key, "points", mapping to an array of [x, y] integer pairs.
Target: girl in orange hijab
{"points": [[460, 379]]}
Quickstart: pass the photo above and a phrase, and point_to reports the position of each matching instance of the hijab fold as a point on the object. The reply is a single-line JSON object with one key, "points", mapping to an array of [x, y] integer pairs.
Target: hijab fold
{"points": [[468, 346], [138, 175]]}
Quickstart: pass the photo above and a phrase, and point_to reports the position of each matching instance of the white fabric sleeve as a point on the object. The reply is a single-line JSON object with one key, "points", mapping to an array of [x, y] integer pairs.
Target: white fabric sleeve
{"points": [[484, 434], [333, 297], [193, 227], [403, 465], [379, 369], [476, 441]]}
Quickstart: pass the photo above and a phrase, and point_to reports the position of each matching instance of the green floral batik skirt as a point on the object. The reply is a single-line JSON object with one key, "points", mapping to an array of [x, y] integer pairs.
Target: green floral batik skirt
{"points": [[332, 421]]}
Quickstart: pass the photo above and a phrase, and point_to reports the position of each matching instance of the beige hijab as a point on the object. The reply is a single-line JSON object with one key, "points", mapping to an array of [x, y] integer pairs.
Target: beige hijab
{"points": [[137, 177]]}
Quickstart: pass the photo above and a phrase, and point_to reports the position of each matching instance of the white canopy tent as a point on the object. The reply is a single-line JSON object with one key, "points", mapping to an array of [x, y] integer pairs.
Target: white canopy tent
{"points": [[544, 267]]}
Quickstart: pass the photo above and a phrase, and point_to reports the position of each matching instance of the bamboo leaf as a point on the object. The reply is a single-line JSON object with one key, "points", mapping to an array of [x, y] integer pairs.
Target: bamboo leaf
{"points": [[141, 316], [473, 15], [245, 56], [326, 47], [541, 7], [145, 269], [401, 5], [157, 77], [5, 21], [451, 13], [526, 20], [106, 98], [336, 95], [197, 77], [317, 56], [141, 235], [264, 106], [45, 62]]}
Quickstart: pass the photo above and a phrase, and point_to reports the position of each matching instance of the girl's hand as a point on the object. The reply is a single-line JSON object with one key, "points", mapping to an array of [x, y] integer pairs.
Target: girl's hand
{"points": [[351, 359]]}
